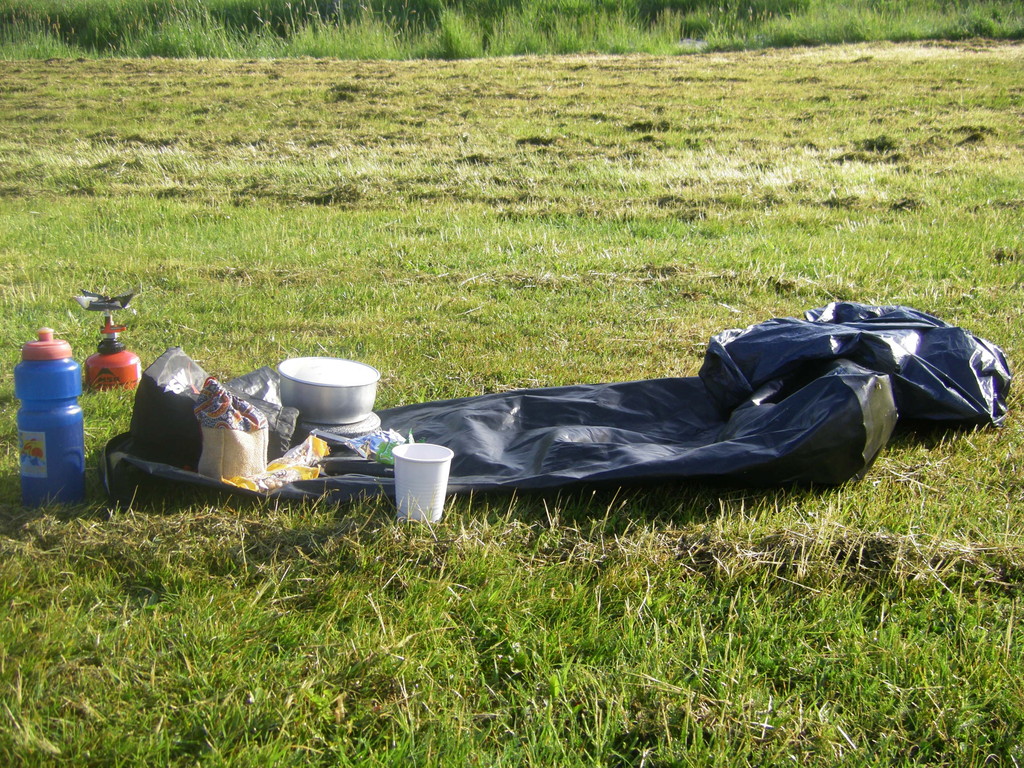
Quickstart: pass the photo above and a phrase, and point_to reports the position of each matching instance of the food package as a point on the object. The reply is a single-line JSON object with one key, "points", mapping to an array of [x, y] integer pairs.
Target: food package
{"points": [[234, 433], [376, 446], [298, 463]]}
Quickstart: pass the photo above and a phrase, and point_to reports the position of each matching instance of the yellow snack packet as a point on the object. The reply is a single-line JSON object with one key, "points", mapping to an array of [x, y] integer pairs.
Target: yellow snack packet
{"points": [[299, 463]]}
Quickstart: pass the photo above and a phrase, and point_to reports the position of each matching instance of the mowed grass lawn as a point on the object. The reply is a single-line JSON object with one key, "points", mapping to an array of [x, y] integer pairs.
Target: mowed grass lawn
{"points": [[474, 226]]}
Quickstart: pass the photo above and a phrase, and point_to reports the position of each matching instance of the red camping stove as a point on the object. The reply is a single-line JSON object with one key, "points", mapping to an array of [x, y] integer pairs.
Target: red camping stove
{"points": [[113, 365]]}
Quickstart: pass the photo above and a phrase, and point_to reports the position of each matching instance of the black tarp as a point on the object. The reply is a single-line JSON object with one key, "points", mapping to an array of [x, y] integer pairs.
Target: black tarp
{"points": [[785, 401]]}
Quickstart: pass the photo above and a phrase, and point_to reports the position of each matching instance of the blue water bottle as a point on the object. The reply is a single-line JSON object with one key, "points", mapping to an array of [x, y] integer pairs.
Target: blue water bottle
{"points": [[51, 435]]}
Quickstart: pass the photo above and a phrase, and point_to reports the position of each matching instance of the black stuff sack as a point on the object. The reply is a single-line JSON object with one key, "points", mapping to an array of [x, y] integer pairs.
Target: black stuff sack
{"points": [[164, 428]]}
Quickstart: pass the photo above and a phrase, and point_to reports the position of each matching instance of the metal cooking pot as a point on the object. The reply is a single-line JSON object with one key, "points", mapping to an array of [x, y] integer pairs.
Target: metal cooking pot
{"points": [[328, 390]]}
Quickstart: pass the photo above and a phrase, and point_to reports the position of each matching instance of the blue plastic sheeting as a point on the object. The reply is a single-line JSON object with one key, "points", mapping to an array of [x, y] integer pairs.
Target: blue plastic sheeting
{"points": [[786, 401]]}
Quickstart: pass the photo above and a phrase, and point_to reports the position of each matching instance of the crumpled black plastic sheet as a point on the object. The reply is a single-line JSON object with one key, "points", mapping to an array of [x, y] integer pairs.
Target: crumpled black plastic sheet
{"points": [[786, 401], [939, 372]]}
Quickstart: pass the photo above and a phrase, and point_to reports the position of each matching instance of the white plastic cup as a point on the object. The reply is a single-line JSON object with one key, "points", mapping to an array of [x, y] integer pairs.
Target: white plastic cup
{"points": [[421, 480]]}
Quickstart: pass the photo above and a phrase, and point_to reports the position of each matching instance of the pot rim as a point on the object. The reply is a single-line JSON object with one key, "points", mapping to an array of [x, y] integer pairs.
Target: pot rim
{"points": [[308, 383]]}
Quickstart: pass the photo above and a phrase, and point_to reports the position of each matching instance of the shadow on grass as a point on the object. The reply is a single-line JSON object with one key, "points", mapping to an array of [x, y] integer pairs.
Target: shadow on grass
{"points": [[662, 504], [213, 533]]}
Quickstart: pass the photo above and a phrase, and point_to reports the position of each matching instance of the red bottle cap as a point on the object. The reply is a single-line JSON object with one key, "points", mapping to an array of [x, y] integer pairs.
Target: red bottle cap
{"points": [[46, 348]]}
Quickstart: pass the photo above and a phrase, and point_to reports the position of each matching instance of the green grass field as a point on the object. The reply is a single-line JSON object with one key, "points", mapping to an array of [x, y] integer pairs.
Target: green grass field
{"points": [[479, 225], [460, 29]]}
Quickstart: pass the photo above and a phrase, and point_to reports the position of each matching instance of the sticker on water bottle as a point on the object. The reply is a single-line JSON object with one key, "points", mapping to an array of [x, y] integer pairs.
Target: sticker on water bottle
{"points": [[33, 453]]}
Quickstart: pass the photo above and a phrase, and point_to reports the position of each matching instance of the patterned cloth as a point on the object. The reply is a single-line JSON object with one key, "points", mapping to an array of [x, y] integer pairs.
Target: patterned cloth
{"points": [[218, 408]]}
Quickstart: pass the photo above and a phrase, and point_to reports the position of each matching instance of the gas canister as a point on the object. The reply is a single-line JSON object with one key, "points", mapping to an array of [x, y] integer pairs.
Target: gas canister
{"points": [[113, 366]]}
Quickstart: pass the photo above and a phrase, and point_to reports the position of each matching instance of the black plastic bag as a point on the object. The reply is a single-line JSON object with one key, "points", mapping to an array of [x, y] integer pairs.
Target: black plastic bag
{"points": [[940, 372], [785, 401], [164, 428]]}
